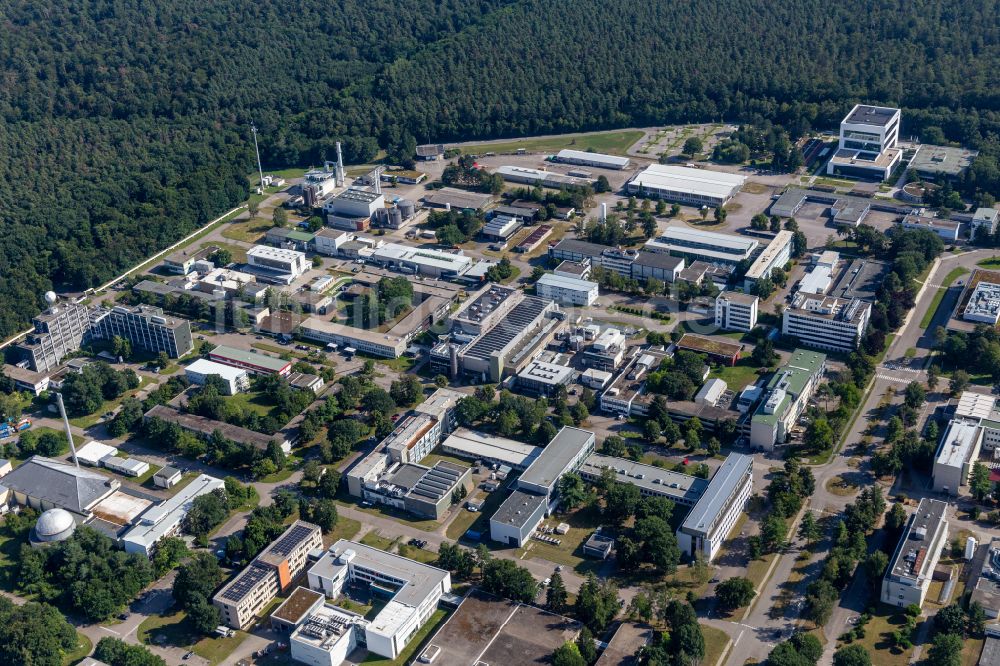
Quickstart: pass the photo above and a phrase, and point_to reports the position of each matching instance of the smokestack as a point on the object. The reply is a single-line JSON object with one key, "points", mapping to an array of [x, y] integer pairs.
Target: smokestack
{"points": [[69, 433], [453, 351], [340, 167], [604, 212], [378, 180]]}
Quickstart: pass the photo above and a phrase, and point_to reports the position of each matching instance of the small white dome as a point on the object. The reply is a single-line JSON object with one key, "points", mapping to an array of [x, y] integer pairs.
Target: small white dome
{"points": [[54, 523], [50, 297]]}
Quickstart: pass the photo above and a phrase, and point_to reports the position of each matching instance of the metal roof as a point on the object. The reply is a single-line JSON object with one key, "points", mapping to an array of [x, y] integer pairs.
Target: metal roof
{"points": [[556, 457], [585, 157], [720, 489], [250, 358], [703, 182], [60, 483]]}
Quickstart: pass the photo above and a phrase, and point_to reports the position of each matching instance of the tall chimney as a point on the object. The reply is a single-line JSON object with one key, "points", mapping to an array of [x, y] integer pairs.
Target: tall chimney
{"points": [[604, 212], [340, 167], [69, 433]]}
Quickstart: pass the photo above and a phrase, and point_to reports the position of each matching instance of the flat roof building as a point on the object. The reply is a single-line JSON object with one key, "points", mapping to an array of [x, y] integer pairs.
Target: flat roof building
{"points": [[786, 397], [984, 579], [235, 379], [270, 573], [932, 162], [450, 197], [278, 260], [516, 519], [422, 261], [586, 158], [205, 426], [252, 361], [984, 221], [657, 265], [957, 451], [490, 449], [651, 481], [948, 230], [721, 350], [146, 327], [708, 246], [867, 145], [911, 568], [826, 322], [58, 332], [777, 253], [544, 378], [735, 311], [567, 290], [696, 187], [708, 524], [412, 591], [551, 179], [165, 519]]}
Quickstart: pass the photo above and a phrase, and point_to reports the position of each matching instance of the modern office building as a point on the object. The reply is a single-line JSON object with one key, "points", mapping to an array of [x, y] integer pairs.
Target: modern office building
{"points": [[708, 524], [518, 517], [427, 492], [571, 249], [708, 246], [586, 158], [777, 253], [147, 328], [58, 331], [867, 147], [786, 397], [278, 260], [695, 187], [956, 454], [165, 519], [270, 573], [236, 380], [735, 311], [984, 304], [567, 290], [911, 568], [251, 361], [411, 591], [626, 394], [826, 322]]}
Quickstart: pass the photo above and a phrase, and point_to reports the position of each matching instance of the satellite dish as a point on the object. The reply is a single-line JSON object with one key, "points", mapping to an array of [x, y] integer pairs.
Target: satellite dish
{"points": [[50, 297]]}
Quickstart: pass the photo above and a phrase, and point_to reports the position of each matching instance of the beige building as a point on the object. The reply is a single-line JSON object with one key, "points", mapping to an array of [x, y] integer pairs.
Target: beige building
{"points": [[271, 572]]}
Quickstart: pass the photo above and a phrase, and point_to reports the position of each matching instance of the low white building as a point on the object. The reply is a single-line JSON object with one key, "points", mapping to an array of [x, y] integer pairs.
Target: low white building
{"points": [[165, 519], [777, 253], [982, 409], [567, 290], [422, 261], [92, 453], [125, 466], [711, 519], [586, 158], [957, 452], [278, 260], [235, 379], [735, 311], [490, 449], [984, 221], [696, 187], [710, 392], [413, 590], [911, 569]]}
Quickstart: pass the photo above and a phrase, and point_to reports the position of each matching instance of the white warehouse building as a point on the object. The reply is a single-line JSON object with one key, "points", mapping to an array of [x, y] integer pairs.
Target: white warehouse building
{"points": [[567, 290], [696, 187], [697, 244], [585, 158], [777, 253]]}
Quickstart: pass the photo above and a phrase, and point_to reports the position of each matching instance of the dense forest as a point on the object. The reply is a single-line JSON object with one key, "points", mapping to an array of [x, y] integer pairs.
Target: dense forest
{"points": [[124, 125]]}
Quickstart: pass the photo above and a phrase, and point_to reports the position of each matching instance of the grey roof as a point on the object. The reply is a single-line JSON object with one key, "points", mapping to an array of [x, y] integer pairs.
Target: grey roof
{"points": [[581, 247], [555, 457], [658, 260], [683, 488], [518, 508], [871, 115], [720, 489], [921, 534], [60, 483], [991, 652]]}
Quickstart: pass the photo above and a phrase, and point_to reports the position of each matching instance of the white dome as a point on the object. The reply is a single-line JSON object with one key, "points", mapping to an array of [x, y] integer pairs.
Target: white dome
{"points": [[53, 523], [50, 297]]}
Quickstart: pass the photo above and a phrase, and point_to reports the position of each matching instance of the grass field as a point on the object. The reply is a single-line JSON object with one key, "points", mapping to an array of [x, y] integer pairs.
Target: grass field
{"points": [[347, 528], [993, 263], [582, 524], [716, 642], [838, 486], [77, 439], [174, 629], [942, 290], [602, 142], [737, 376], [376, 540], [248, 231], [238, 251], [885, 621], [414, 645], [252, 401]]}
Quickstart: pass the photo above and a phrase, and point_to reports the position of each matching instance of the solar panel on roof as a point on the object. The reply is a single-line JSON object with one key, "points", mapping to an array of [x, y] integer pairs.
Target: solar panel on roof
{"points": [[286, 544]]}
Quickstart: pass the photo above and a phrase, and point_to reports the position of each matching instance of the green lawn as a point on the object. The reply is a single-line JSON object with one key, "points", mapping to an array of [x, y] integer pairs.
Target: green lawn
{"points": [[347, 528], [716, 642], [252, 401], [238, 251], [78, 440], [993, 263], [376, 540], [603, 142], [414, 645], [247, 231], [83, 648], [418, 554], [739, 375], [884, 621], [173, 629], [569, 552], [942, 290]]}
